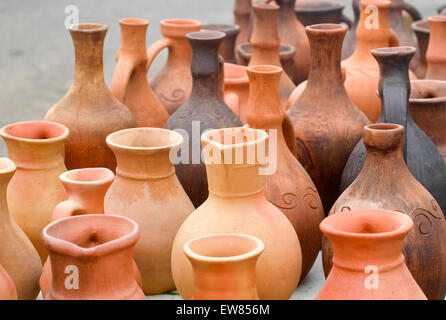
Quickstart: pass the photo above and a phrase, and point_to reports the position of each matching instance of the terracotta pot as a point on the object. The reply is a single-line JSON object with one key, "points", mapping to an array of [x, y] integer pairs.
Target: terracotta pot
{"points": [[349, 44], [428, 109], [290, 187], [292, 32], [362, 70], [129, 83], [224, 266], [92, 258], [376, 188], [86, 190], [89, 109], [421, 29], [147, 190], [422, 156], [317, 12], [37, 149], [242, 14], [435, 55], [18, 256], [204, 110], [237, 203], [265, 44], [227, 47], [7, 287], [399, 12], [173, 83], [367, 262], [286, 56], [325, 119]]}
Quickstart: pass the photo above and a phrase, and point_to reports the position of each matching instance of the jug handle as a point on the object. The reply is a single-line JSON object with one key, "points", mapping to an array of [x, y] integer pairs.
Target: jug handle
{"points": [[347, 21], [412, 11], [156, 48], [121, 77], [288, 134], [67, 208]]}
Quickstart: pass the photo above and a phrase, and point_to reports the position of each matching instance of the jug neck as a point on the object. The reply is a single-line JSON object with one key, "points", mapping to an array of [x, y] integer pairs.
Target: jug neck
{"points": [[205, 64], [373, 29], [133, 38], [88, 42], [394, 85], [326, 51]]}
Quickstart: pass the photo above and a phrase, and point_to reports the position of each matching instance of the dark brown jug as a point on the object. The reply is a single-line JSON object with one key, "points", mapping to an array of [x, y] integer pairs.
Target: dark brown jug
{"points": [[289, 187], [202, 111], [89, 109], [227, 47], [311, 12], [422, 156], [428, 109], [292, 32], [421, 29], [326, 122], [386, 183]]}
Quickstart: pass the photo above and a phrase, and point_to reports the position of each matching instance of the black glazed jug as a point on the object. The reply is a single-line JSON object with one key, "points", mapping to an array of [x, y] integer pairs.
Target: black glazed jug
{"points": [[422, 156]]}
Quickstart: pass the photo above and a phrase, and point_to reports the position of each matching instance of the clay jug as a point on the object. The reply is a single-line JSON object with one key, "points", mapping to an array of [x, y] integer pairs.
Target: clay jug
{"points": [[227, 47], [362, 72], [92, 258], [242, 14], [422, 156], [89, 109], [7, 287], [18, 256], [290, 187], [428, 109], [147, 190], [386, 183], [421, 29], [366, 244], [129, 83], [311, 12], [325, 119], [204, 110], [224, 266], [37, 149], [173, 83], [86, 190], [265, 44], [292, 32], [435, 55], [237, 203]]}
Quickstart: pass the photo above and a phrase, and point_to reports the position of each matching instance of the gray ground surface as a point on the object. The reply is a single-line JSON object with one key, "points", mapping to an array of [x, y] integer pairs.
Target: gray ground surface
{"points": [[37, 57]]}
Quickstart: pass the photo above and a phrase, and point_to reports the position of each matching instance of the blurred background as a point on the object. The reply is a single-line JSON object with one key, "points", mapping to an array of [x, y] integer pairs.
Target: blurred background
{"points": [[37, 55]]}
